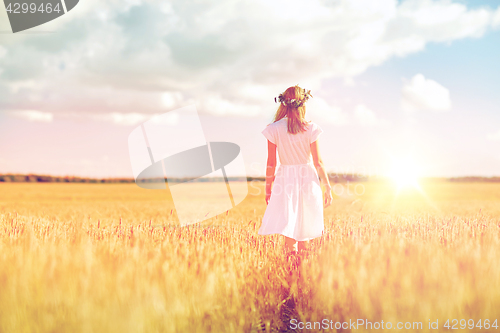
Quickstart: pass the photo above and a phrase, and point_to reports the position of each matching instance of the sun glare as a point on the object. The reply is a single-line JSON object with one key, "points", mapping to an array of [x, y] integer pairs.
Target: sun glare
{"points": [[405, 173]]}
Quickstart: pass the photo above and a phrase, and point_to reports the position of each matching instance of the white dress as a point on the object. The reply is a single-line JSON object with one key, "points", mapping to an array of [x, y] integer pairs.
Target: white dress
{"points": [[295, 208]]}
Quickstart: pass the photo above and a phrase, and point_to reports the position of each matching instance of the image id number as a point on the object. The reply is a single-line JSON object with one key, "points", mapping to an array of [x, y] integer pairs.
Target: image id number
{"points": [[20, 8]]}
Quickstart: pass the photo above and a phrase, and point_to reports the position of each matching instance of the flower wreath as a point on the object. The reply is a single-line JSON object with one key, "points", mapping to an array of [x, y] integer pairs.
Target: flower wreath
{"points": [[293, 102]]}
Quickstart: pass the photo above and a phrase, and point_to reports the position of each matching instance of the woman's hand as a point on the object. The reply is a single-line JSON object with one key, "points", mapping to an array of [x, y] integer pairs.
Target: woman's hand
{"points": [[268, 196], [328, 196]]}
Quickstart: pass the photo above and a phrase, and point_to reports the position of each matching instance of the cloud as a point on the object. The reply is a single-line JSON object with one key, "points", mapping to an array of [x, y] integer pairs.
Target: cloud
{"points": [[171, 99], [424, 94], [494, 136], [444, 20], [367, 117], [319, 108], [496, 19], [134, 118], [117, 56], [217, 105], [33, 115], [125, 119]]}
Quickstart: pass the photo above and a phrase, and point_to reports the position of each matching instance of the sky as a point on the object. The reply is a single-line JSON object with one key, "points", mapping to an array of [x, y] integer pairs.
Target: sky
{"points": [[391, 81]]}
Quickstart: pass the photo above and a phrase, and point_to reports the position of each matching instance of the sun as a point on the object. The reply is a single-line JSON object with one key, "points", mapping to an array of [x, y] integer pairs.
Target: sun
{"points": [[405, 173]]}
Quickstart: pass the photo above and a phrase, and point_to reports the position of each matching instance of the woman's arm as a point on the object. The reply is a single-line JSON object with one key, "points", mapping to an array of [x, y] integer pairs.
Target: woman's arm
{"points": [[320, 167], [271, 168]]}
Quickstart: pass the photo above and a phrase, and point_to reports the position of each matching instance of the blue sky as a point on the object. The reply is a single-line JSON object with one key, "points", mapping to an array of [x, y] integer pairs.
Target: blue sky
{"points": [[390, 79], [469, 69]]}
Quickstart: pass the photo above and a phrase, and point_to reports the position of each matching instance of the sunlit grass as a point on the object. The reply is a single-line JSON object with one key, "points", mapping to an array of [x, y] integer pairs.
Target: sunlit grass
{"points": [[110, 258]]}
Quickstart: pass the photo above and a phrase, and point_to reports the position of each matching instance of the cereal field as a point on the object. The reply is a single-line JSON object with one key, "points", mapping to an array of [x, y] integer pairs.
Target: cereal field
{"points": [[110, 258]]}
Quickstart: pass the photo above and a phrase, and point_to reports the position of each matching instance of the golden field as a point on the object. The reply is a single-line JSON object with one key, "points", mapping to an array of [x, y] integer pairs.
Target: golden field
{"points": [[110, 258]]}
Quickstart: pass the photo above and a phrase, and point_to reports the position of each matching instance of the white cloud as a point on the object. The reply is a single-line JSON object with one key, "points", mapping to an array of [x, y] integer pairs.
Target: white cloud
{"points": [[171, 99], [367, 117], [230, 57], [28, 85], [33, 115], [125, 119], [424, 94], [216, 105], [446, 20], [496, 19], [318, 109], [349, 81], [3, 51], [494, 136], [364, 115], [134, 118]]}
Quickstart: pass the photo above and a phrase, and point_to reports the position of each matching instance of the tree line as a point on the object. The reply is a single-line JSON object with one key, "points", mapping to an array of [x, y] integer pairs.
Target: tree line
{"points": [[34, 178], [334, 178]]}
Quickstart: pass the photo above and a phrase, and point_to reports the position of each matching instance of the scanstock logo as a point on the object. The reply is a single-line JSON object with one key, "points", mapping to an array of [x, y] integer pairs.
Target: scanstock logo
{"points": [[170, 149], [26, 14]]}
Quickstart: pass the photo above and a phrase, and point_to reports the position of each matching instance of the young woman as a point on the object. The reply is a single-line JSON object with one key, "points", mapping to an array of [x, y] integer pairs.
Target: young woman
{"points": [[295, 203]]}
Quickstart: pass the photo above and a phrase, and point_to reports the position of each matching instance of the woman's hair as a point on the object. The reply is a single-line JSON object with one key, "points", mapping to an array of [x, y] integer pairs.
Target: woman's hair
{"points": [[292, 105]]}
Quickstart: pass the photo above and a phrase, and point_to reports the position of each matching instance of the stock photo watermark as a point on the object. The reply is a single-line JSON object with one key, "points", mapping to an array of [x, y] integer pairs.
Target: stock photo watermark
{"points": [[25, 15], [171, 150], [365, 324]]}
